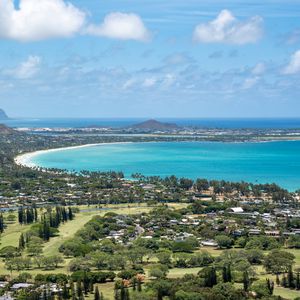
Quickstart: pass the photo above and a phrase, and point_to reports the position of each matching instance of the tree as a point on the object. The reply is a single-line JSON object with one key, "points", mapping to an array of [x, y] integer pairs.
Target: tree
{"points": [[185, 183], [57, 259], [21, 242], [224, 241], [284, 281], [97, 294], [65, 292], [270, 286], [246, 281], [298, 281], [100, 260], [23, 277], [261, 289], [11, 218], [162, 288], [225, 291], [35, 246], [127, 274], [21, 215], [137, 254], [202, 185], [1, 223], [52, 262], [45, 229], [278, 261], [187, 245], [254, 256], [70, 214], [79, 289], [159, 271], [226, 273], [164, 257], [294, 241], [209, 275], [290, 278]]}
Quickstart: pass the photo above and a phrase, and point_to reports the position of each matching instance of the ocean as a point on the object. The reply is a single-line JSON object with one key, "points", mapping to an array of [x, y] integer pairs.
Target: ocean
{"points": [[266, 162], [237, 123]]}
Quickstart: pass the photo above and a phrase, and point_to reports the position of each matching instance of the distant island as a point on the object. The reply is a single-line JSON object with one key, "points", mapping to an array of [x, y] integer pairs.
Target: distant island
{"points": [[3, 115], [154, 125]]}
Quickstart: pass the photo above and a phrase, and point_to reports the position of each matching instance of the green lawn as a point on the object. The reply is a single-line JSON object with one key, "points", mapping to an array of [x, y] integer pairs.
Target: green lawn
{"points": [[11, 235], [177, 273], [286, 293], [107, 289]]}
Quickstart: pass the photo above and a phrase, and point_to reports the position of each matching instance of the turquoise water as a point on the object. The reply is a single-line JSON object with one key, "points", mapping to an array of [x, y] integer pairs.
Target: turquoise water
{"points": [[277, 162]]}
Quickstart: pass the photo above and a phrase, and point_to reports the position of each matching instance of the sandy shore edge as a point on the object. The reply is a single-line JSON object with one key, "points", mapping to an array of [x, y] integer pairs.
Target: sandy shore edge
{"points": [[24, 159]]}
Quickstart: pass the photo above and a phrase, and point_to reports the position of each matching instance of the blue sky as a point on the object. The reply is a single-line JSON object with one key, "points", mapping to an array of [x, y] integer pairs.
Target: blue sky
{"points": [[150, 58]]}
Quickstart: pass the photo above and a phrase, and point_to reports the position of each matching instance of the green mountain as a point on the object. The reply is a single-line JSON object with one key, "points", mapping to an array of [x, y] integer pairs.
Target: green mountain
{"points": [[154, 125]]}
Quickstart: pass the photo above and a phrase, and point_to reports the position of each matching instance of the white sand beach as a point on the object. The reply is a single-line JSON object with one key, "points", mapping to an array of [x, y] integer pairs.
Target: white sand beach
{"points": [[25, 159]]}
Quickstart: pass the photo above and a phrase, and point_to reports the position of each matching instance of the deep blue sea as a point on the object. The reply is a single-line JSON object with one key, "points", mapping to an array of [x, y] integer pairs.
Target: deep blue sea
{"points": [[267, 162], [115, 123]]}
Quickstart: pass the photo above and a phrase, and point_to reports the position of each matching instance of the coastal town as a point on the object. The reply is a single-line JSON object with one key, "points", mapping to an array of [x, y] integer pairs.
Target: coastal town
{"points": [[167, 226], [149, 150]]}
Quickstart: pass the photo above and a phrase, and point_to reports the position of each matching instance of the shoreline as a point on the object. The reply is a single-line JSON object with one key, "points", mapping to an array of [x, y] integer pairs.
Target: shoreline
{"points": [[23, 160]]}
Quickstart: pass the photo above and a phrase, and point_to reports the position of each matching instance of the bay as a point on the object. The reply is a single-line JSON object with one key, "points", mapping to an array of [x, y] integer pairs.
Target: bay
{"points": [[267, 162]]}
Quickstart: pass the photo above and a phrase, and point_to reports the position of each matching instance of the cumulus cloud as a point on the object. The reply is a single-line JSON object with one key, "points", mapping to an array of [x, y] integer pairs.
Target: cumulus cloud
{"points": [[294, 65], [26, 69], [121, 26], [38, 20], [227, 29]]}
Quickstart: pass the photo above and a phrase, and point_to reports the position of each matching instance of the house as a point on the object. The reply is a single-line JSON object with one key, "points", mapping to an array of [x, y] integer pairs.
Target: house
{"points": [[3, 284], [273, 233], [6, 297], [139, 229], [254, 231], [18, 286], [236, 210], [209, 243]]}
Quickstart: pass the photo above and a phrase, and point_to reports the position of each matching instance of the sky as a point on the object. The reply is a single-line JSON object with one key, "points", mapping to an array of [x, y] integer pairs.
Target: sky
{"points": [[150, 58]]}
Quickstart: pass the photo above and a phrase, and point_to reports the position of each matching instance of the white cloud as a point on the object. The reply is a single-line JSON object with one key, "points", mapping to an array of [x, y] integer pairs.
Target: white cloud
{"points": [[169, 80], [121, 26], [28, 68], [293, 37], [128, 83], [227, 29], [250, 82], [149, 82], [39, 19], [294, 65], [259, 69]]}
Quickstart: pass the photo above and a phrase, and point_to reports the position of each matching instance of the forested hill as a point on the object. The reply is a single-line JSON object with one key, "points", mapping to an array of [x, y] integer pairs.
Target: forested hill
{"points": [[154, 125]]}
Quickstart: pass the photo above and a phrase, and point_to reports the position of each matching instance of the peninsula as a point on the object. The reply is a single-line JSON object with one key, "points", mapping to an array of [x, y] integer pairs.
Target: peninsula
{"points": [[3, 115]]}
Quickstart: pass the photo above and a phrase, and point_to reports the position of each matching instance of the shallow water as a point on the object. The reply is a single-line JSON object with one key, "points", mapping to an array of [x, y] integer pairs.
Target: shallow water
{"points": [[268, 162]]}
